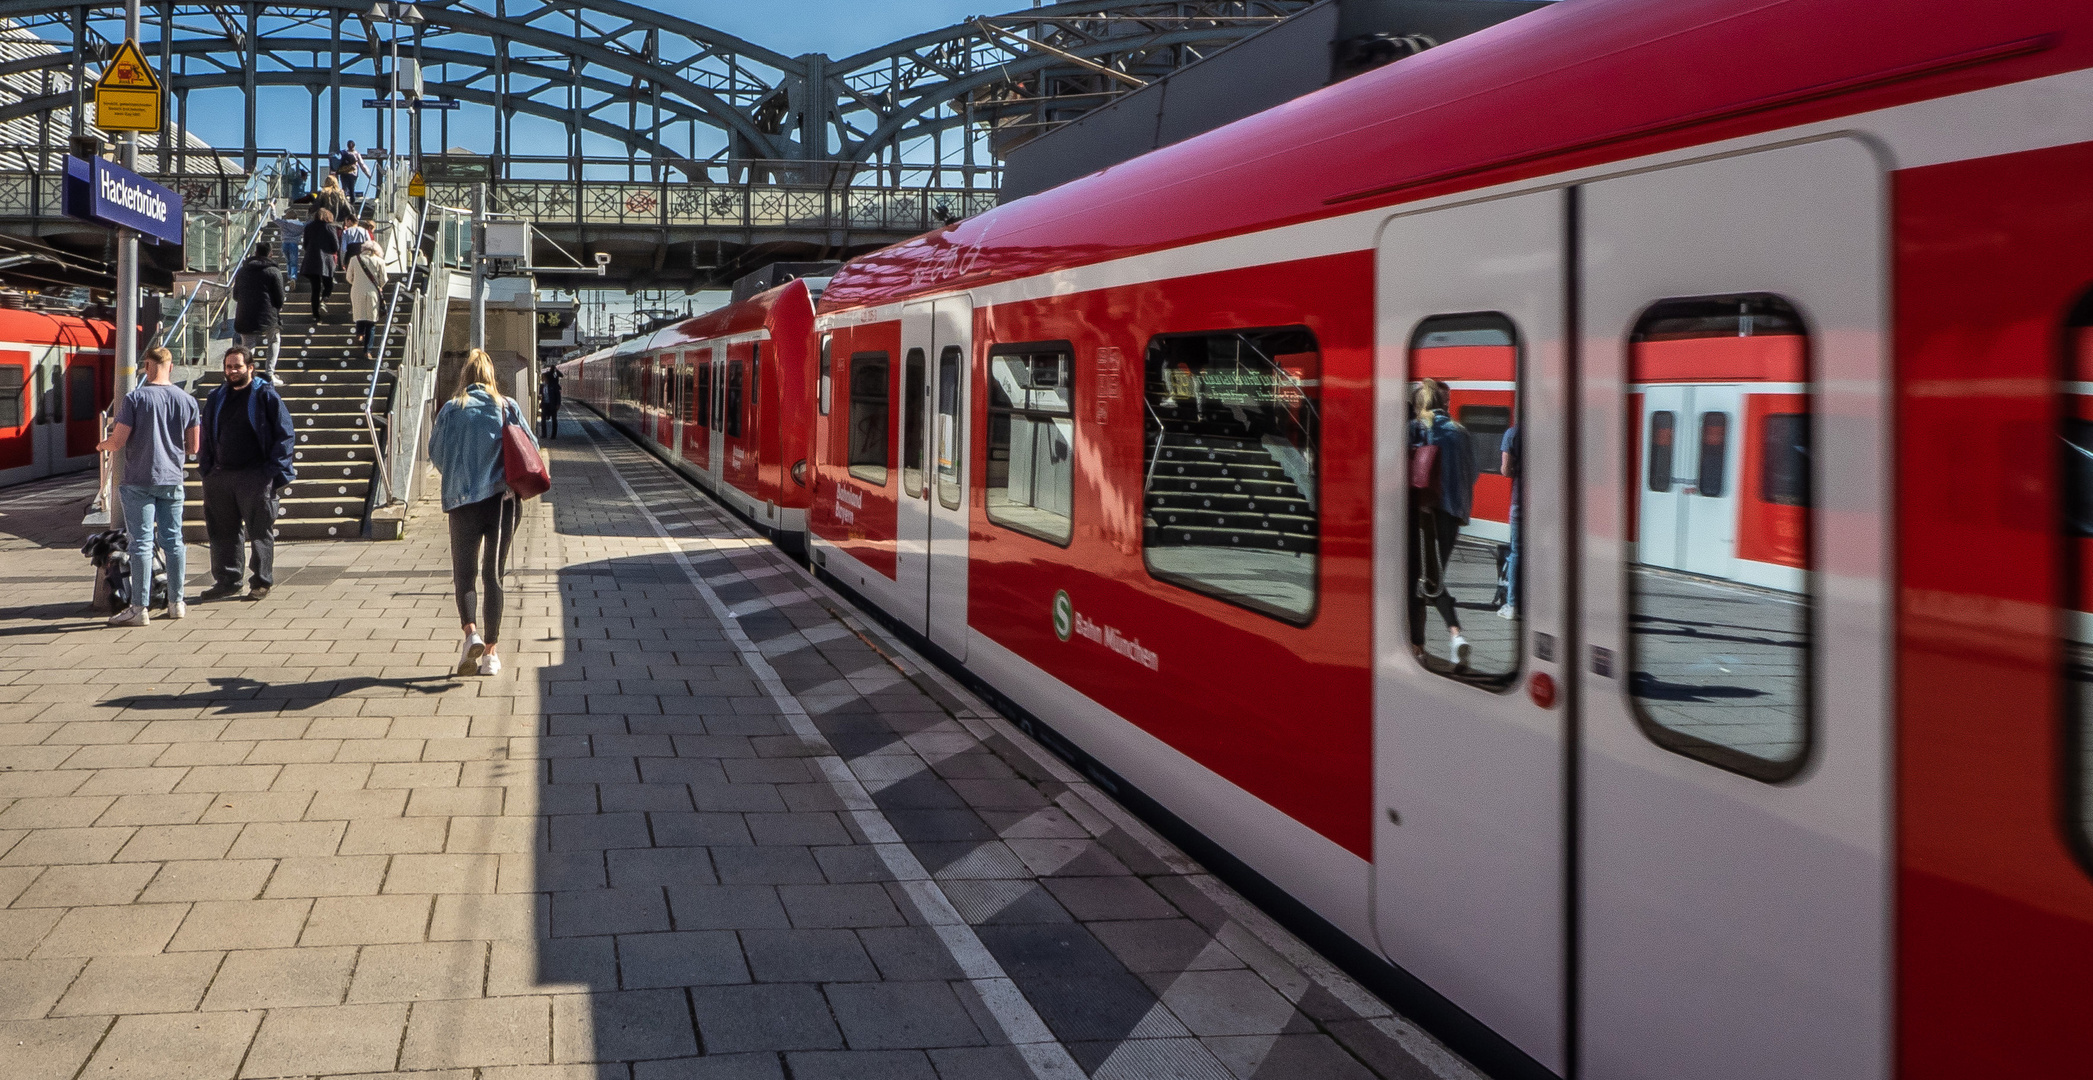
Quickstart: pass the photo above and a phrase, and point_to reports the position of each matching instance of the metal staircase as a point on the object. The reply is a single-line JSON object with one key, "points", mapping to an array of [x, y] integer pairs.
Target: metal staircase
{"points": [[1212, 490], [325, 381]]}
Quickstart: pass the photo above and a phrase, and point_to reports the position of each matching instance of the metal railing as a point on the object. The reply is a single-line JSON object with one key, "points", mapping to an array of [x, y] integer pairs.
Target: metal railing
{"points": [[402, 287], [728, 206], [216, 242], [414, 381]]}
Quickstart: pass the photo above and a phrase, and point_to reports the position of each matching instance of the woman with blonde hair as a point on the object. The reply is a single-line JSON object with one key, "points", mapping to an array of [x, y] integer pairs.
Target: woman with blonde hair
{"points": [[1437, 513], [466, 447]]}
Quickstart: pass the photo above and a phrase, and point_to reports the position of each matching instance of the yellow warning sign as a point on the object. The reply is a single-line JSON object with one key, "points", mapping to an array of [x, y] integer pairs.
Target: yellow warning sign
{"points": [[127, 97], [416, 189]]}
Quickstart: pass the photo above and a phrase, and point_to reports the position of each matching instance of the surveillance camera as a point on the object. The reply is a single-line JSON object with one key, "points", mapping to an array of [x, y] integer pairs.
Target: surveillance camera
{"points": [[603, 258]]}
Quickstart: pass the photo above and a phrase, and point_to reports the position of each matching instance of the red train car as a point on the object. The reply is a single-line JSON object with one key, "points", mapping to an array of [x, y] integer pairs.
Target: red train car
{"points": [[1780, 767], [726, 397], [57, 378]]}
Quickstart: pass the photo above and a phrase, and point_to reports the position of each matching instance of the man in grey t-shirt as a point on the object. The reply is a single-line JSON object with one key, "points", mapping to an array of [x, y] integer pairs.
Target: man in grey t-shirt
{"points": [[157, 428]]}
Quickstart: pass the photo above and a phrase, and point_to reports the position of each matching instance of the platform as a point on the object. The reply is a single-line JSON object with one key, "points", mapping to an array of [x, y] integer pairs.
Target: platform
{"points": [[709, 823]]}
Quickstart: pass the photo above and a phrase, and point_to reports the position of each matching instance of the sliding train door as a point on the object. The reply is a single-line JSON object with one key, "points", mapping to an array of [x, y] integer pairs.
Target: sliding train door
{"points": [[1734, 885], [1470, 843], [931, 533], [18, 434]]}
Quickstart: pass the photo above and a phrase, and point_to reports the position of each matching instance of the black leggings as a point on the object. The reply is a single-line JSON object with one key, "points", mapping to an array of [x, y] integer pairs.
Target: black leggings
{"points": [[1431, 548], [480, 535], [322, 286]]}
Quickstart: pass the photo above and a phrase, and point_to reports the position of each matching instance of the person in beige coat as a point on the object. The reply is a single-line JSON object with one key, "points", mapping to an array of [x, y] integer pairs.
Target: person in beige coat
{"points": [[366, 273]]}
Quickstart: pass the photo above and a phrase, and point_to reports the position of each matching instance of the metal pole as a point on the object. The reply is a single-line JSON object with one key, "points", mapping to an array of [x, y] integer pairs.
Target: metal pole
{"points": [[476, 337], [126, 297]]}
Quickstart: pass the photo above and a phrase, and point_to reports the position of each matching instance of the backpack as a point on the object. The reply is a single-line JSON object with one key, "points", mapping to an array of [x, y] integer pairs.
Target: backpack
{"points": [[111, 553], [346, 161]]}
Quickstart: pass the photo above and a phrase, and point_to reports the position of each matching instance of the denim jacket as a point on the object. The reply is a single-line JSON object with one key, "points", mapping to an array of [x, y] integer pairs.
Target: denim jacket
{"points": [[1457, 469], [466, 447]]}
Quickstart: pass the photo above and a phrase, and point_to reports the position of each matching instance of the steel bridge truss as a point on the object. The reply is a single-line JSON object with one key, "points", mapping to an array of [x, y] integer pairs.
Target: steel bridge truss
{"points": [[662, 97]]}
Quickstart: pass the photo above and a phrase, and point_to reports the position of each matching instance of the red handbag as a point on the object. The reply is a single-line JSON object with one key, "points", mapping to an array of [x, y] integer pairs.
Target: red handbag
{"points": [[520, 464], [1424, 466]]}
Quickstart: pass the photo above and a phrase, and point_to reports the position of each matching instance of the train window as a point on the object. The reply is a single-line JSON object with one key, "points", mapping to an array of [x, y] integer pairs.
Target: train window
{"points": [[821, 384], [1715, 453], [1031, 439], [1663, 425], [688, 411], [914, 389], [950, 361], [11, 391], [1232, 430], [704, 409], [1719, 583], [871, 452], [79, 393], [755, 389], [1784, 446], [1464, 526], [2076, 487], [736, 370]]}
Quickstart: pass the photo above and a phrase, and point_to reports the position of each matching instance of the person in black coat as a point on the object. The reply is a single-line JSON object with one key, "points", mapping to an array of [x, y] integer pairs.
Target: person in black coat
{"points": [[318, 250], [246, 458], [259, 291]]}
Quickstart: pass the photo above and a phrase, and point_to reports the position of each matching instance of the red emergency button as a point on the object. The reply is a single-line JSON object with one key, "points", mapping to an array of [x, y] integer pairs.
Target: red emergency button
{"points": [[1542, 689]]}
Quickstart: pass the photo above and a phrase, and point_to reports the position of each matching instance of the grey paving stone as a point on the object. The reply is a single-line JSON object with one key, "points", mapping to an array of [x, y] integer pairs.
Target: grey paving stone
{"points": [[134, 930], [49, 1048], [709, 829], [281, 978], [214, 879], [1163, 945], [485, 1032], [73, 886], [1099, 898], [744, 798], [560, 965], [736, 1019], [597, 832], [839, 905], [996, 902], [862, 1065], [1226, 1003], [608, 911], [908, 953], [622, 1026], [726, 907], [766, 866], [763, 1066], [241, 924], [790, 828], [1252, 1057], [552, 871], [639, 867], [337, 1039], [805, 956], [174, 1046], [28, 988], [420, 971], [898, 1015], [983, 1063], [854, 863], [618, 798], [1148, 1059], [681, 958]]}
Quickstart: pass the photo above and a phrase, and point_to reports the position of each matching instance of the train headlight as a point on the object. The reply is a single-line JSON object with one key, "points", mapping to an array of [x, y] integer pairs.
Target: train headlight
{"points": [[799, 472]]}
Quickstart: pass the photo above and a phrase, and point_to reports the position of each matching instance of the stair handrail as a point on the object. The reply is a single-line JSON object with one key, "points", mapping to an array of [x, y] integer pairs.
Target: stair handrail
{"points": [[370, 396], [258, 202], [414, 387]]}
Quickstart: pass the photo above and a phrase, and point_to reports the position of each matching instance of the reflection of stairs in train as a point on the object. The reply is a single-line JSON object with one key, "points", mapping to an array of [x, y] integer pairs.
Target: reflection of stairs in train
{"points": [[1220, 491], [323, 379]]}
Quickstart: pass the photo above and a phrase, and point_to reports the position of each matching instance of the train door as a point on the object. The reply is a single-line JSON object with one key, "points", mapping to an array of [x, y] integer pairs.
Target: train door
{"points": [[1734, 883], [18, 458], [1469, 846], [951, 380], [716, 411], [912, 525], [90, 382], [1688, 476]]}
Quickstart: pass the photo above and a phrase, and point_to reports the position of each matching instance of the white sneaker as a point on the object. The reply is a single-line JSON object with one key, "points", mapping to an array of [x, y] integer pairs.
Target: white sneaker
{"points": [[131, 616], [469, 660], [490, 664], [1508, 612], [1460, 651], [176, 609]]}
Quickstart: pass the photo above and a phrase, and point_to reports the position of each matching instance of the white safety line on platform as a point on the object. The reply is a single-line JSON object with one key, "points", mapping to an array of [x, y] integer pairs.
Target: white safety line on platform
{"points": [[1021, 1024]]}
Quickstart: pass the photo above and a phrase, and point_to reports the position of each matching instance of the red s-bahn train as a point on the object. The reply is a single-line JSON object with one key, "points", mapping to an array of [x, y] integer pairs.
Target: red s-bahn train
{"points": [[1779, 764], [57, 377]]}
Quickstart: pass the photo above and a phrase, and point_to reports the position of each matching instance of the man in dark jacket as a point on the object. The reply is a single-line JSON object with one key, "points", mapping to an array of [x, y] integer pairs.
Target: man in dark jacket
{"points": [[258, 298], [549, 404], [246, 464]]}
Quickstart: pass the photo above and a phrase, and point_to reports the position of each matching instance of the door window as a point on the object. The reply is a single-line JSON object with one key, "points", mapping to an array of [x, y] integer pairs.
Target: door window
{"points": [[2076, 488], [914, 390], [1229, 498], [871, 453], [79, 392], [12, 389], [735, 373], [704, 409], [1463, 525], [1030, 479], [1719, 662], [821, 389], [950, 363]]}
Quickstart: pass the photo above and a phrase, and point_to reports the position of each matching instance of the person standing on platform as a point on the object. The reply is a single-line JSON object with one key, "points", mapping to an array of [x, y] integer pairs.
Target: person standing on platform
{"points": [[466, 446], [549, 404], [321, 245], [246, 464], [156, 428], [259, 292], [349, 165], [366, 274]]}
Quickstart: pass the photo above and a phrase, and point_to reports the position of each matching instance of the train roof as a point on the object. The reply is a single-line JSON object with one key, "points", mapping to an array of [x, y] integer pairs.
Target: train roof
{"points": [[19, 326], [1575, 84]]}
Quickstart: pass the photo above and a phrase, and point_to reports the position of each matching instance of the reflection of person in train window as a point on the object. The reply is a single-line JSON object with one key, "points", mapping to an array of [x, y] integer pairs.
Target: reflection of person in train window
{"points": [[1508, 464], [1438, 512]]}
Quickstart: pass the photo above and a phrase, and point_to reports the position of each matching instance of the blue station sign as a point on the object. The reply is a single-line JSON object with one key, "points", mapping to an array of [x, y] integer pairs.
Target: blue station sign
{"points": [[109, 194]]}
